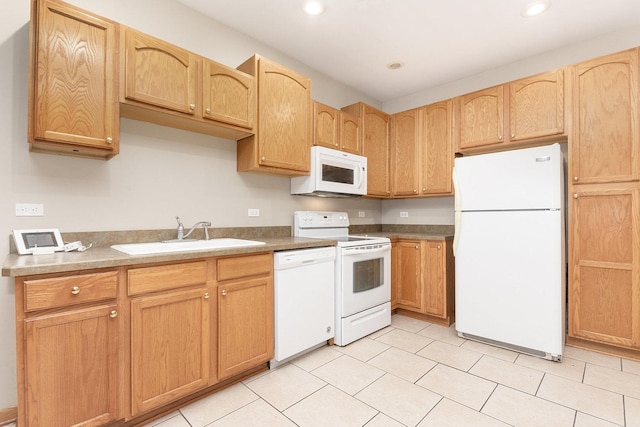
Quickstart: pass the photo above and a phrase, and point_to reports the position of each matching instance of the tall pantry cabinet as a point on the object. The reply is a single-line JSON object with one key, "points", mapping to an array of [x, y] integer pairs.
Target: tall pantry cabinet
{"points": [[604, 203]]}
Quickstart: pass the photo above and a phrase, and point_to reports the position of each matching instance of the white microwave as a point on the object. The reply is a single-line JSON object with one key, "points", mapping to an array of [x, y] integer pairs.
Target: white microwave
{"points": [[333, 174]]}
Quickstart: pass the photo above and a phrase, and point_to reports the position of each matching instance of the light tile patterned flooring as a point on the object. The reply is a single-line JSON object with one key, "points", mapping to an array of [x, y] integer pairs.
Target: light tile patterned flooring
{"points": [[414, 373]]}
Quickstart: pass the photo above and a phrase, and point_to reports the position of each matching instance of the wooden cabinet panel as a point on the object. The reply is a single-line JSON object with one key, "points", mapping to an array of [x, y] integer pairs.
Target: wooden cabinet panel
{"points": [[72, 368], [282, 142], [169, 347], [326, 125], [164, 277], [437, 149], [482, 118], [604, 290], [435, 290], [350, 133], [73, 91], [406, 137], [244, 266], [159, 73], [228, 95], [536, 106], [605, 143], [409, 278]]}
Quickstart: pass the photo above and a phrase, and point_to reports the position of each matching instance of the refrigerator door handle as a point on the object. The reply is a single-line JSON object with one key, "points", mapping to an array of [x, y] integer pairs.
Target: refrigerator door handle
{"points": [[457, 192], [456, 233], [457, 214]]}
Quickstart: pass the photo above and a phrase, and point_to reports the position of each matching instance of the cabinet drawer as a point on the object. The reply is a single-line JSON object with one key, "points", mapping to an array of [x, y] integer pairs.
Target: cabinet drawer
{"points": [[244, 266], [160, 278], [69, 290]]}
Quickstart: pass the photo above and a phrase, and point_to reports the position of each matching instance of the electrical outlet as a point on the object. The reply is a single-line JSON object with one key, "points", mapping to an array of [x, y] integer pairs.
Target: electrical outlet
{"points": [[253, 212], [404, 214], [29, 209], [360, 214]]}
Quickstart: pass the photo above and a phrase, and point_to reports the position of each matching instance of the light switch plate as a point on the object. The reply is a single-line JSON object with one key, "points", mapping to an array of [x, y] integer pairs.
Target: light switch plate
{"points": [[404, 214], [253, 212]]}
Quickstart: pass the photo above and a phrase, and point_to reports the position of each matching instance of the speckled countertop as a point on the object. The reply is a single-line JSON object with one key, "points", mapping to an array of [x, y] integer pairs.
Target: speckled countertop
{"points": [[418, 232]]}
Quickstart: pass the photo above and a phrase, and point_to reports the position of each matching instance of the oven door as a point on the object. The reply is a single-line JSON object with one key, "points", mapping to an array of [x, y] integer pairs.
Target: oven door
{"points": [[364, 277]]}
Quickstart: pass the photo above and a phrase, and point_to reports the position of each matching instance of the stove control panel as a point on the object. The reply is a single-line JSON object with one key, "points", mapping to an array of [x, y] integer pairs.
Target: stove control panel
{"points": [[314, 219]]}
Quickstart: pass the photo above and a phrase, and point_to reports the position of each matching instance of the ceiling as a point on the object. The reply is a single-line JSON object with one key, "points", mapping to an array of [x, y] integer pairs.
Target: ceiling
{"points": [[438, 42]]}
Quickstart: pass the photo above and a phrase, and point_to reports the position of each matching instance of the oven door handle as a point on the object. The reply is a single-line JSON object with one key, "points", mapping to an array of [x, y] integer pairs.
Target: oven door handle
{"points": [[355, 251]]}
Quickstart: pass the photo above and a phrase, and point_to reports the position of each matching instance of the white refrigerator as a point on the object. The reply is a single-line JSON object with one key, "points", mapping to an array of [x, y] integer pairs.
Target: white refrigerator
{"points": [[509, 250]]}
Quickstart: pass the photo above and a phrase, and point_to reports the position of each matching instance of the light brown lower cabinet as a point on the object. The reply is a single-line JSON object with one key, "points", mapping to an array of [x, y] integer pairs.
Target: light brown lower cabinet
{"points": [[102, 346], [422, 284]]}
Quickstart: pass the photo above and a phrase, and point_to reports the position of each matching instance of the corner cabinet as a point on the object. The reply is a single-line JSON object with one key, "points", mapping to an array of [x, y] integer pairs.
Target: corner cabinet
{"points": [[423, 280], [73, 82], [282, 142]]}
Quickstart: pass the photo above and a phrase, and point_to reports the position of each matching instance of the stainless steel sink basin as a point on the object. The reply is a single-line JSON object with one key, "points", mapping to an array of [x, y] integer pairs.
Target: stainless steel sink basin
{"points": [[194, 245]]}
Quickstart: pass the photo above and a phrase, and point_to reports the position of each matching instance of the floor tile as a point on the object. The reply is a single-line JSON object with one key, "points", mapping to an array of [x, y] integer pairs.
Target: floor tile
{"points": [[348, 374], [256, 414], [380, 332], [509, 374], [459, 386], [316, 358], [592, 357], [330, 407], [491, 350], [404, 340], [521, 409], [582, 397], [442, 333], [175, 419], [403, 364], [408, 324], [452, 414], [450, 355], [631, 366], [571, 369], [211, 408], [632, 411], [613, 380], [381, 420], [285, 386], [363, 349], [399, 399], [585, 420]]}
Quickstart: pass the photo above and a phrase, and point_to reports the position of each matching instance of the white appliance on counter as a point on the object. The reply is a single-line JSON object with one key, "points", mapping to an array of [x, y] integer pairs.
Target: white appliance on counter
{"points": [[510, 251], [363, 274], [304, 301], [333, 174]]}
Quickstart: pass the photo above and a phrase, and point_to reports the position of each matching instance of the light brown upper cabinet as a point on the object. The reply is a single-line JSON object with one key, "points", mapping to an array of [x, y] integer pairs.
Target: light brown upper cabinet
{"points": [[406, 138], [168, 85], [375, 147], [605, 140], [437, 149], [336, 129], [518, 111], [281, 144], [73, 82]]}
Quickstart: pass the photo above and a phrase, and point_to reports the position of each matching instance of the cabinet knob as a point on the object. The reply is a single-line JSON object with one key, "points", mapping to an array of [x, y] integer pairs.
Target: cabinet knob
{"points": [[208, 110], [224, 292], [192, 106], [113, 314], [424, 190], [75, 290], [513, 135], [575, 195], [344, 147], [109, 140], [575, 178], [417, 246], [263, 158], [206, 295], [439, 247], [500, 138], [415, 191]]}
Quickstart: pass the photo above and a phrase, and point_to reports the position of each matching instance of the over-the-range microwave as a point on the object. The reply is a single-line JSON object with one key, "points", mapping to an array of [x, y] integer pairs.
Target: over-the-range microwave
{"points": [[333, 174]]}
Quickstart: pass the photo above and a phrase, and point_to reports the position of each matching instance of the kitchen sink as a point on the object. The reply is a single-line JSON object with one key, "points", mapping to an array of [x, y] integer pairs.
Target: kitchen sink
{"points": [[183, 246]]}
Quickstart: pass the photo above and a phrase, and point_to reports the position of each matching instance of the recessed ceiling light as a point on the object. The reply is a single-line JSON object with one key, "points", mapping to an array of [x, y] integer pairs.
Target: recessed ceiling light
{"points": [[395, 65], [536, 8], [313, 8]]}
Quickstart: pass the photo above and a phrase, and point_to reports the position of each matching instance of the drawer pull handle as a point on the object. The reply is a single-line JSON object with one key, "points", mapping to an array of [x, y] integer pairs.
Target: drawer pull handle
{"points": [[224, 292], [439, 247], [192, 106], [206, 295], [113, 314], [208, 110], [75, 290]]}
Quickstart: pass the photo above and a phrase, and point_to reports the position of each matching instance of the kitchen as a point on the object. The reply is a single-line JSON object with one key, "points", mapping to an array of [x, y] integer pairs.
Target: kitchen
{"points": [[134, 195]]}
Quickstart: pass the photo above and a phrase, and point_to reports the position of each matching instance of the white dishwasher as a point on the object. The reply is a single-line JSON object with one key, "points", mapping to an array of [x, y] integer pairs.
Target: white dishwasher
{"points": [[304, 287]]}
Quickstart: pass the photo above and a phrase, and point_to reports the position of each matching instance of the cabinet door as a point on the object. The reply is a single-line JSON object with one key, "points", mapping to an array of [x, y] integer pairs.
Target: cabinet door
{"points": [[536, 106], [605, 143], [604, 291], [284, 126], [160, 74], [73, 93], [326, 124], [434, 272], [406, 140], [169, 347], [245, 324], [409, 279], [228, 95], [350, 138], [72, 370], [375, 147], [482, 118], [437, 149]]}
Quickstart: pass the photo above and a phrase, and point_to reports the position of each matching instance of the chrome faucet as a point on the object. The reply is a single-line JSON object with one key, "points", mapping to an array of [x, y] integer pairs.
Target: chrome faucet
{"points": [[182, 236]]}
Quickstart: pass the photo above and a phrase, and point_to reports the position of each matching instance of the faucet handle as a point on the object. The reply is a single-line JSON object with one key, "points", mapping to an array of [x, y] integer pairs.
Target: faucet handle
{"points": [[179, 222]]}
